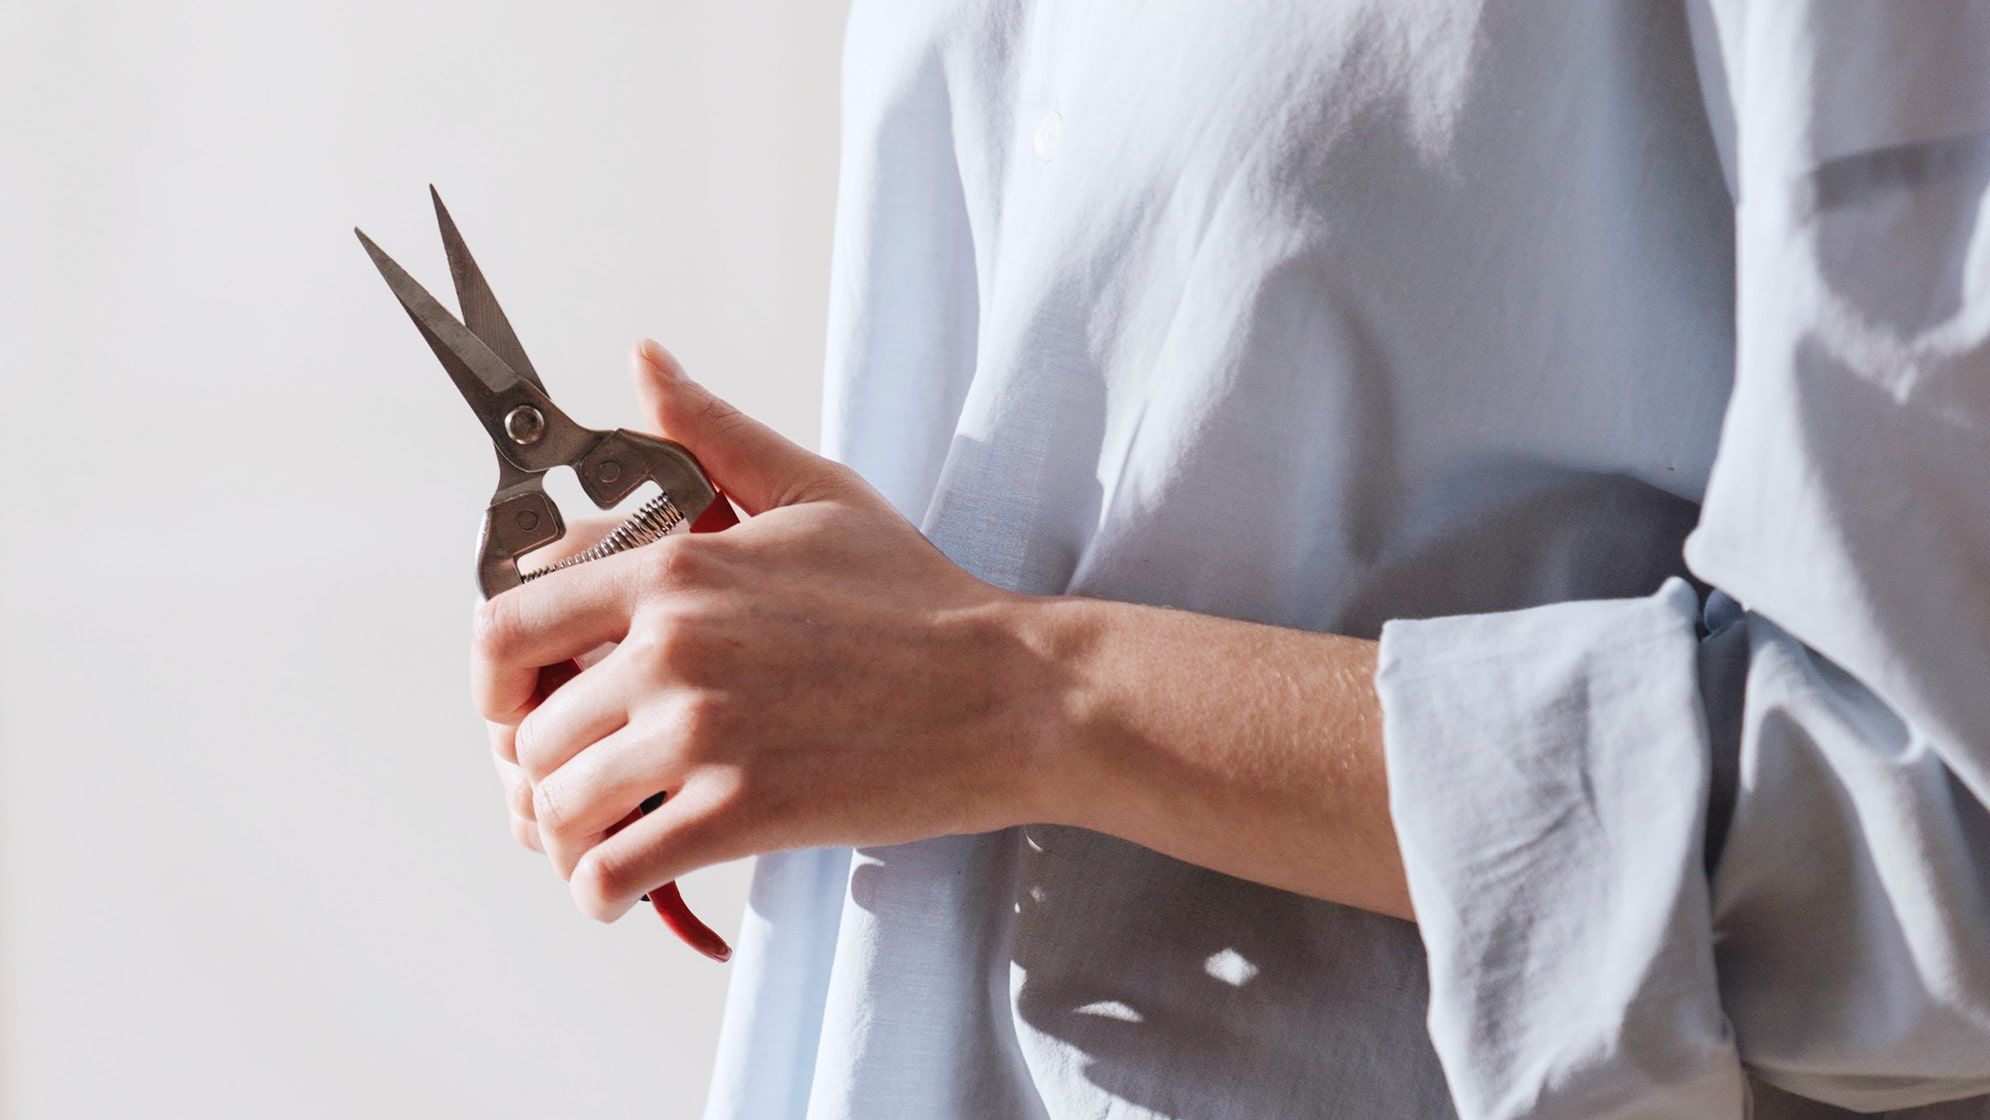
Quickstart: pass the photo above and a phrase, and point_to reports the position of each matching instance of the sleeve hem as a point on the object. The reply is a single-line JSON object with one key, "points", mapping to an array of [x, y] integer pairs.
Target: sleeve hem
{"points": [[1549, 773]]}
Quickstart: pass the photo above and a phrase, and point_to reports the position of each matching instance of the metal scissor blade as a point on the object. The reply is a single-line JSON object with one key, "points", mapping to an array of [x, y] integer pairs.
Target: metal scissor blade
{"points": [[493, 390], [481, 375], [481, 312]]}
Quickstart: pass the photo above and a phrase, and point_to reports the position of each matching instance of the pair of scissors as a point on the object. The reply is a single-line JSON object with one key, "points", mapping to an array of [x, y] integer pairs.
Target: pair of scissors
{"points": [[483, 357]]}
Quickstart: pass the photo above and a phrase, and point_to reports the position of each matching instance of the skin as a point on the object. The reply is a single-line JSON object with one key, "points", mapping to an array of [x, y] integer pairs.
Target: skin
{"points": [[822, 674]]}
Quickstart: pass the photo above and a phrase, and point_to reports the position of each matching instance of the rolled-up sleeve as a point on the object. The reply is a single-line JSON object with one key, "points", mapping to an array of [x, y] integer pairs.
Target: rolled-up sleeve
{"points": [[1656, 848]]}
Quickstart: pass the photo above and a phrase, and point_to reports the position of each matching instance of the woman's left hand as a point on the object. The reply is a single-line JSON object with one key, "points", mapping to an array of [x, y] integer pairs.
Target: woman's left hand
{"points": [[820, 674]]}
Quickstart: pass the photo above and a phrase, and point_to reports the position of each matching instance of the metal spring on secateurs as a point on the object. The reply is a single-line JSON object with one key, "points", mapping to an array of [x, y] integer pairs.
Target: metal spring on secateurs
{"points": [[650, 522]]}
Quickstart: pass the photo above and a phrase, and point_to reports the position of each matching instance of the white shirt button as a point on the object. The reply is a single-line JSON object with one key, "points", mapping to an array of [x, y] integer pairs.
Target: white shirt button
{"points": [[1047, 127]]}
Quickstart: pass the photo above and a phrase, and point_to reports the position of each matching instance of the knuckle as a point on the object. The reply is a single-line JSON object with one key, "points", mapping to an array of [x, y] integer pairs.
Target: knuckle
{"points": [[552, 808], [599, 885], [673, 564], [844, 482], [504, 745], [527, 746], [643, 643], [518, 797], [498, 626], [526, 834], [668, 642], [843, 474]]}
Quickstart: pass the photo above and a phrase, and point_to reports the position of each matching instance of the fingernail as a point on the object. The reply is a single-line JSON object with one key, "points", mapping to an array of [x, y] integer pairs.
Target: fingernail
{"points": [[658, 358]]}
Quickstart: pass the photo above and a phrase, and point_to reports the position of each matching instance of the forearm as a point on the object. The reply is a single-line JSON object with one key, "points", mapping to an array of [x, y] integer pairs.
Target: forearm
{"points": [[1252, 750], [823, 675]]}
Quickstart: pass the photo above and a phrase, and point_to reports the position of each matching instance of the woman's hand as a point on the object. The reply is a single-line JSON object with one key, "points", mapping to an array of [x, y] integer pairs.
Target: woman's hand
{"points": [[820, 674]]}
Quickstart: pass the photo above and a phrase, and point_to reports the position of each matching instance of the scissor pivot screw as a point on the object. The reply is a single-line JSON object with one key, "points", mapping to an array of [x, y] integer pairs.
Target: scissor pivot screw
{"points": [[527, 520], [608, 471], [524, 425]]}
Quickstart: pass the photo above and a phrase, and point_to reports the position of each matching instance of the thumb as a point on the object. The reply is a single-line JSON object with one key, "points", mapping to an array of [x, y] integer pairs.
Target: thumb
{"points": [[755, 465]]}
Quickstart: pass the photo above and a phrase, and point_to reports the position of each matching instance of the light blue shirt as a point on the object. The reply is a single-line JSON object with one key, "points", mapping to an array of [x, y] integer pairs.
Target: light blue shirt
{"points": [[1624, 366]]}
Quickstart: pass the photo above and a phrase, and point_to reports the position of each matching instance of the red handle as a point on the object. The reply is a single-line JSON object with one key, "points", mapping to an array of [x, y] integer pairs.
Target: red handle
{"points": [[667, 900], [718, 515]]}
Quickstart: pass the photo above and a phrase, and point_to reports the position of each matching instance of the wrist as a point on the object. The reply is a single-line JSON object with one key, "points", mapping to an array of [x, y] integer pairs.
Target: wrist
{"points": [[1057, 776]]}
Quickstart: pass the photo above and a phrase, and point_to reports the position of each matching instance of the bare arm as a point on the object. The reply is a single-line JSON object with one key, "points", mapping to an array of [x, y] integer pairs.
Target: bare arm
{"points": [[1253, 750], [823, 675]]}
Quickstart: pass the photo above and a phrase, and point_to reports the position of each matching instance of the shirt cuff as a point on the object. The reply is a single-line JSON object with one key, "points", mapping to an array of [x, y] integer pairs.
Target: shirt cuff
{"points": [[1548, 775]]}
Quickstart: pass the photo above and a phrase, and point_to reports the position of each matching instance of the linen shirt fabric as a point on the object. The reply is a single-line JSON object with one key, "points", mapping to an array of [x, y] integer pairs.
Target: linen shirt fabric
{"points": [[1624, 366]]}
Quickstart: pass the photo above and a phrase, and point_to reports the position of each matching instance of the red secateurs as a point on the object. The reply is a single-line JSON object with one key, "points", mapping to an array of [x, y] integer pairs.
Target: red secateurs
{"points": [[531, 435]]}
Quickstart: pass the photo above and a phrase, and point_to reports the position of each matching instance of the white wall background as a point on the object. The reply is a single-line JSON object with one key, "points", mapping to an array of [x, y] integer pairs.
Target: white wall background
{"points": [[253, 862]]}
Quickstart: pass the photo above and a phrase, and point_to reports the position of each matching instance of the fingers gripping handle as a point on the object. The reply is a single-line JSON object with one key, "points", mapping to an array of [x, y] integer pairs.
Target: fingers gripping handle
{"points": [[669, 903], [667, 900]]}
